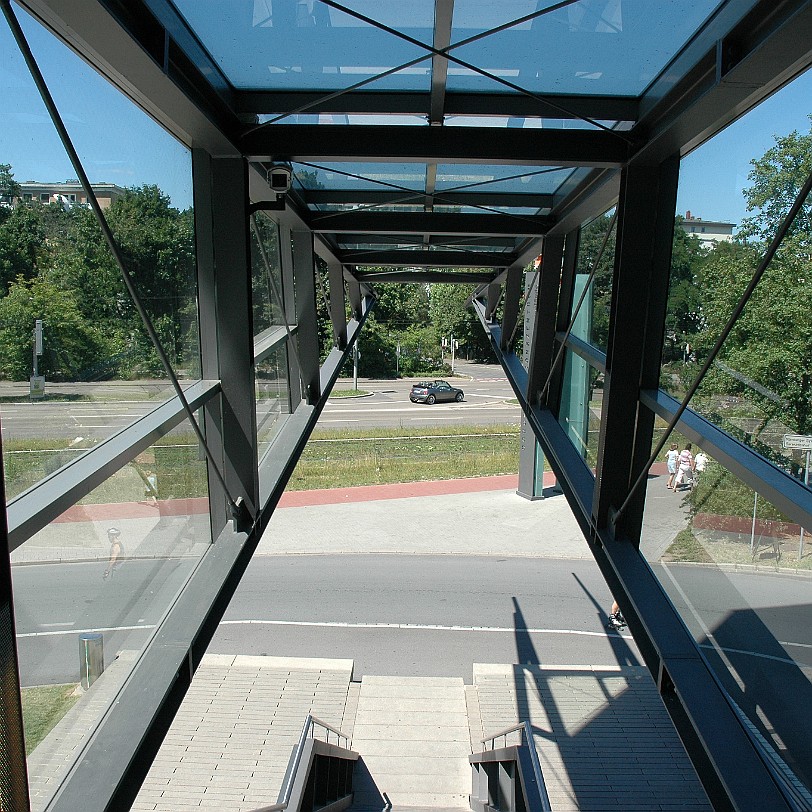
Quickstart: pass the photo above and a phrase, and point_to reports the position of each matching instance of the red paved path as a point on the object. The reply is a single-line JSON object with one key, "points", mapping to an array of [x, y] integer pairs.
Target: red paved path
{"points": [[331, 496]]}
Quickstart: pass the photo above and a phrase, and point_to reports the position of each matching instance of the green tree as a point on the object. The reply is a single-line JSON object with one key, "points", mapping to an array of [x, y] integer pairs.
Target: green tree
{"points": [[768, 355], [450, 316], [775, 180], [22, 244], [70, 343], [9, 188]]}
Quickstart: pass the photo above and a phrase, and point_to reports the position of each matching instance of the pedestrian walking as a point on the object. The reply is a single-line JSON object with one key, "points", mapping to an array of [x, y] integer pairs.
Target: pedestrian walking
{"points": [[700, 464], [671, 457], [116, 552], [685, 468]]}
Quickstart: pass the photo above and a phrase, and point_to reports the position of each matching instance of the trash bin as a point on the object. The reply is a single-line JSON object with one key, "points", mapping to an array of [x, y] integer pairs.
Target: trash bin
{"points": [[91, 657]]}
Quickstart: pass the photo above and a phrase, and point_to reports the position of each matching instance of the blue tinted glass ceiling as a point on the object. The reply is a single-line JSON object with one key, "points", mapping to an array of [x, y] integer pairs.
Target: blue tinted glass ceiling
{"points": [[594, 47], [482, 178], [361, 176], [290, 45]]}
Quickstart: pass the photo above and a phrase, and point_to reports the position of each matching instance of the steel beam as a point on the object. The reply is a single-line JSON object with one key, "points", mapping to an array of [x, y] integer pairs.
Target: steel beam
{"points": [[426, 276], [360, 102], [443, 11], [404, 144], [437, 223], [429, 259], [375, 197]]}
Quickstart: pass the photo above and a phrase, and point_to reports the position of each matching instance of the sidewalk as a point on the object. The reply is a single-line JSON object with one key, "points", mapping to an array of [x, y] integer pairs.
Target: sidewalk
{"points": [[476, 516]]}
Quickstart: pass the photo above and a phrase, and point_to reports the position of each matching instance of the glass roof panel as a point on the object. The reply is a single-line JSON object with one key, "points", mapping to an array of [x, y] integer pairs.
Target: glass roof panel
{"points": [[484, 178], [485, 209], [262, 44], [344, 118], [591, 47], [525, 123], [357, 175]]}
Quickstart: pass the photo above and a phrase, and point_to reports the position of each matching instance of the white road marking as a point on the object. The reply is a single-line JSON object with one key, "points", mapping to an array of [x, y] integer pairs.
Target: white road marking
{"points": [[408, 626], [52, 625], [85, 631]]}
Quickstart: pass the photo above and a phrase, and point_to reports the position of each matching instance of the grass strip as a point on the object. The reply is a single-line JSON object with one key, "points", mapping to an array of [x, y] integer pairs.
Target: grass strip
{"points": [[43, 707]]}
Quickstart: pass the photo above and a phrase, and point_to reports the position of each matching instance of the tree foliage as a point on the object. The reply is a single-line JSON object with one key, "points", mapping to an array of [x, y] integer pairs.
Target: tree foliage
{"points": [[60, 253], [768, 356]]}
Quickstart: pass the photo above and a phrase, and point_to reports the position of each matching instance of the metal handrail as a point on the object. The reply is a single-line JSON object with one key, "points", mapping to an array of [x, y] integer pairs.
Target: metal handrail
{"points": [[307, 729], [505, 733], [531, 749]]}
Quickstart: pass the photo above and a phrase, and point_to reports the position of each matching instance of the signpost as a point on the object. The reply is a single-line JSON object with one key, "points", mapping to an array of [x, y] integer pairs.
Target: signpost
{"points": [[37, 383], [802, 442]]}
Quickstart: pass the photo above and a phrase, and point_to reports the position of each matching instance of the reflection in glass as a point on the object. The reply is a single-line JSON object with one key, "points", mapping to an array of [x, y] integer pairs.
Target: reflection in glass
{"points": [[111, 565], [581, 402], [592, 324], [736, 569], [273, 401], [266, 275]]}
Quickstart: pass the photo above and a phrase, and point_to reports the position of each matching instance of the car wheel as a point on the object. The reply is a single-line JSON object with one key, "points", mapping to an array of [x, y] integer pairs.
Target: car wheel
{"points": [[459, 397], [431, 400]]}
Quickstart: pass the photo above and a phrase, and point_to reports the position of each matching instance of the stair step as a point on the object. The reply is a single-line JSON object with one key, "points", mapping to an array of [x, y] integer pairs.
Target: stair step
{"points": [[413, 738]]}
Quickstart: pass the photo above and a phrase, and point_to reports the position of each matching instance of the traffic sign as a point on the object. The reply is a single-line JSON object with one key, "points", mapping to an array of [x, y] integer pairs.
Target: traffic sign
{"points": [[802, 441]]}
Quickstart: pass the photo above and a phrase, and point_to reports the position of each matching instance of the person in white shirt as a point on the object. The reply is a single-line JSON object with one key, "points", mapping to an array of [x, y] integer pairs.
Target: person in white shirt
{"points": [[700, 464], [671, 458], [685, 468]]}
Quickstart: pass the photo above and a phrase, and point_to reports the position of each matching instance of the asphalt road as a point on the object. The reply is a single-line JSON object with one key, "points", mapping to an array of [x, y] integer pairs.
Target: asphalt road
{"points": [[432, 615], [120, 405]]}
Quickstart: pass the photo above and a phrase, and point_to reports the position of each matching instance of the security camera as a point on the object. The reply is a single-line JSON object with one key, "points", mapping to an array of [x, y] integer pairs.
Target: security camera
{"points": [[279, 179]]}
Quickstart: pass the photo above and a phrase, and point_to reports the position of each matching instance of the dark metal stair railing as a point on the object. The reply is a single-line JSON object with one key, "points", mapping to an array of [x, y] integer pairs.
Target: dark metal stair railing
{"points": [[319, 774], [508, 779]]}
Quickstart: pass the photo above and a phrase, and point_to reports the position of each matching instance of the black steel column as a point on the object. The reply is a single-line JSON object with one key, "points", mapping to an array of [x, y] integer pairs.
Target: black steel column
{"points": [[13, 770], [562, 319], [541, 344], [226, 326], [639, 295], [307, 334]]}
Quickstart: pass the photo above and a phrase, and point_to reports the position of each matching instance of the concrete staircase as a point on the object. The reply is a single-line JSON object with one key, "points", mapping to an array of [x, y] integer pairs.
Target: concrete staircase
{"points": [[413, 737], [603, 736]]}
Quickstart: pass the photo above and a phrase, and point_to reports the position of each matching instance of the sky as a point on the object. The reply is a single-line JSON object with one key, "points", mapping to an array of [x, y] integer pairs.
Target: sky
{"points": [[118, 143]]}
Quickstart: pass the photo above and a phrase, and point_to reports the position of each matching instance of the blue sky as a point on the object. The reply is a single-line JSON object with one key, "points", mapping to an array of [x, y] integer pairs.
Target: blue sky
{"points": [[116, 142], [120, 144]]}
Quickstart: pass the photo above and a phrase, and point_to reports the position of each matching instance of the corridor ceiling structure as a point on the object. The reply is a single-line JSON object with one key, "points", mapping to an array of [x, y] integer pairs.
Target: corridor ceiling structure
{"points": [[425, 141], [447, 134]]}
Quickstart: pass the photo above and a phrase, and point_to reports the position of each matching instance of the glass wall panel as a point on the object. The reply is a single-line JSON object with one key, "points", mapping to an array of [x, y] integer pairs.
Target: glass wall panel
{"points": [[759, 389], [273, 396], [739, 573], [581, 403], [593, 316], [266, 275], [76, 364], [91, 589]]}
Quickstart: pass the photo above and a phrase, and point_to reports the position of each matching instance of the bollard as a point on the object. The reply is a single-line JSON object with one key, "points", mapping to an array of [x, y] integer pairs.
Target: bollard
{"points": [[91, 657]]}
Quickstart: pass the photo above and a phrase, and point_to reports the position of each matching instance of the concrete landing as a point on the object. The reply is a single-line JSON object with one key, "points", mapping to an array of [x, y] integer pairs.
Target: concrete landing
{"points": [[230, 742], [413, 737], [604, 738]]}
